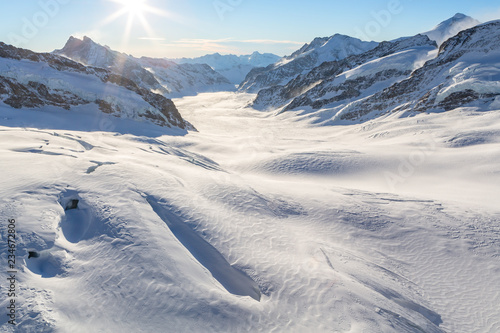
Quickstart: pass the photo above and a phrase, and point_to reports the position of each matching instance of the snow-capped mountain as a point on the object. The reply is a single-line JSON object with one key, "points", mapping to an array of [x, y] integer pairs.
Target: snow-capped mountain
{"points": [[352, 77], [185, 79], [407, 74], [157, 75], [38, 80], [465, 72], [233, 67], [90, 53], [311, 55], [451, 27]]}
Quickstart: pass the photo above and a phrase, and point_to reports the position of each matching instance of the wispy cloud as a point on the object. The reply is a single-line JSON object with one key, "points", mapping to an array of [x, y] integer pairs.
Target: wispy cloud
{"points": [[269, 41], [225, 45], [152, 38]]}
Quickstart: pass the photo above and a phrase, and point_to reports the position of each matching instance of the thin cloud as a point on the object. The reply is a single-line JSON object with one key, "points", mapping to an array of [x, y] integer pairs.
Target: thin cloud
{"points": [[208, 45], [270, 41], [152, 38], [224, 44]]}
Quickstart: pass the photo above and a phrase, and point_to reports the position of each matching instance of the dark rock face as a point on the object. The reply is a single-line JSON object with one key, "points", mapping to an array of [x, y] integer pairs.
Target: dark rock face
{"points": [[36, 94]]}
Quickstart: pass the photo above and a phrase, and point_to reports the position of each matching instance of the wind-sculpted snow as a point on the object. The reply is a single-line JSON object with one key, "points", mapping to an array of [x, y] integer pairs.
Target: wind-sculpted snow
{"points": [[451, 27], [339, 230], [235, 281]]}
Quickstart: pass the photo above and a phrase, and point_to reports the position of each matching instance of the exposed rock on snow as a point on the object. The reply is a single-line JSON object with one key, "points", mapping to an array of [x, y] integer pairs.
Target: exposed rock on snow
{"points": [[158, 75], [306, 58], [389, 61], [34, 80]]}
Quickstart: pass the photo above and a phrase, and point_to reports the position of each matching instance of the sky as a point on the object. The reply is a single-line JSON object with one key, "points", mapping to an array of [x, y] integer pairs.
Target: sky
{"points": [[191, 28]]}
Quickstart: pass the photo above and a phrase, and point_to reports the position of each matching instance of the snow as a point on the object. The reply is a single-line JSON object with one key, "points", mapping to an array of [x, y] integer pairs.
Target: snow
{"points": [[234, 68], [479, 74], [88, 87], [407, 60], [451, 27], [333, 48], [385, 226]]}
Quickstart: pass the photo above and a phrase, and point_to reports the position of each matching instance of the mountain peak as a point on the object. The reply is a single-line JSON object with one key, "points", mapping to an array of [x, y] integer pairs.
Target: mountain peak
{"points": [[459, 16], [451, 27]]}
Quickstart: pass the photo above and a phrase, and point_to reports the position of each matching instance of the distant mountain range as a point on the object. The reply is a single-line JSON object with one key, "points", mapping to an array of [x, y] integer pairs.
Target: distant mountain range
{"points": [[233, 67], [159, 75], [334, 79]]}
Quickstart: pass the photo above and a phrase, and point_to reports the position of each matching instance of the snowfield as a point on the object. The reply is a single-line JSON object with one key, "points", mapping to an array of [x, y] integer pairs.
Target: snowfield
{"points": [[255, 223]]}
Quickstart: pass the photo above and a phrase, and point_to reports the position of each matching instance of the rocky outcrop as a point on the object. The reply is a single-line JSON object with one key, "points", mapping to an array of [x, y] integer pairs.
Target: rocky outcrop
{"points": [[23, 86], [158, 75], [461, 73], [311, 55], [310, 89]]}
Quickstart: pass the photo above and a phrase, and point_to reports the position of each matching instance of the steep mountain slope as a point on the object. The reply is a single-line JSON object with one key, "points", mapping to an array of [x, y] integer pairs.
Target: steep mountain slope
{"points": [[89, 53], [37, 80], [466, 70], [371, 70], [311, 55], [159, 76], [451, 27], [234, 68]]}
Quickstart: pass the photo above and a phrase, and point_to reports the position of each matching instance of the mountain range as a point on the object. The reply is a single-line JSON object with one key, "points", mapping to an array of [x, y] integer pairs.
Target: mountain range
{"points": [[333, 78], [234, 68], [419, 73], [159, 75]]}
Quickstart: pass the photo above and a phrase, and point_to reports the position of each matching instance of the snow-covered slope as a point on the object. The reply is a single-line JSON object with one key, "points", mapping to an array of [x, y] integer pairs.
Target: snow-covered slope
{"points": [[350, 78], [254, 223], [234, 68], [451, 27], [159, 76], [332, 48], [34, 80], [185, 79], [465, 72], [408, 74], [89, 53]]}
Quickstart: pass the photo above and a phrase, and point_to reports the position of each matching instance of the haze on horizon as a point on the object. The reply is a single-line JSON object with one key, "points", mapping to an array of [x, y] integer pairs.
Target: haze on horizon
{"points": [[194, 28]]}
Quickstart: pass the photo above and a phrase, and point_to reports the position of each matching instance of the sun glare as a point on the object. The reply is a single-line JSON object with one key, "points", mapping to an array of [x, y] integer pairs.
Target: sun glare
{"points": [[135, 10], [133, 7]]}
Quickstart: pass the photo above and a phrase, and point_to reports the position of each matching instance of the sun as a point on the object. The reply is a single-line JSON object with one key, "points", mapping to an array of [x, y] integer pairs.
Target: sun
{"points": [[135, 10], [133, 7]]}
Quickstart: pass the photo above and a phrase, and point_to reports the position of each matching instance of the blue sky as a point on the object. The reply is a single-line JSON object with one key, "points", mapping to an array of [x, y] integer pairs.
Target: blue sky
{"points": [[168, 28]]}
